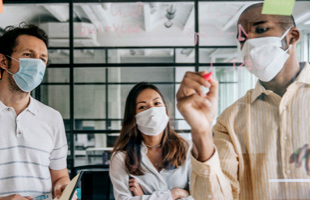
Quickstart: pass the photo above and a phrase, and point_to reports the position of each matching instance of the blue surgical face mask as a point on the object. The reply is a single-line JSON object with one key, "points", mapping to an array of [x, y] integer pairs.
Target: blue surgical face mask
{"points": [[30, 74]]}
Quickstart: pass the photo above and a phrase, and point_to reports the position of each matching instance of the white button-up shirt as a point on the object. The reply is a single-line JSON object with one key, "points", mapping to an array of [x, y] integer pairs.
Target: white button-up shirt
{"points": [[155, 185]]}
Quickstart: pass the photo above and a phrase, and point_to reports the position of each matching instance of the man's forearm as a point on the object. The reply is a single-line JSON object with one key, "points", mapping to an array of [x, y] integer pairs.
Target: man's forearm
{"points": [[62, 180], [204, 146]]}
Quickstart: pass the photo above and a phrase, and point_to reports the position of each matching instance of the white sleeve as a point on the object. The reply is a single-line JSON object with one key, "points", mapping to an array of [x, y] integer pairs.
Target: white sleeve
{"points": [[120, 178], [187, 198], [188, 157], [58, 157]]}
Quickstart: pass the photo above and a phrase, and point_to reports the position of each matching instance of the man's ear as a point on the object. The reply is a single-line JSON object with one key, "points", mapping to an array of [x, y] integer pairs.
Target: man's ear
{"points": [[3, 62], [294, 36]]}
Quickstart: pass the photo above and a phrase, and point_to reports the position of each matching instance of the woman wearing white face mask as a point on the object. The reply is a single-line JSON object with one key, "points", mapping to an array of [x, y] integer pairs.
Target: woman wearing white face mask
{"points": [[150, 161]]}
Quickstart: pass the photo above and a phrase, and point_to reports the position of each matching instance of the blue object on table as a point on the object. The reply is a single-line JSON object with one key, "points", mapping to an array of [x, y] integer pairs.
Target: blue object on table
{"points": [[41, 197], [79, 193]]}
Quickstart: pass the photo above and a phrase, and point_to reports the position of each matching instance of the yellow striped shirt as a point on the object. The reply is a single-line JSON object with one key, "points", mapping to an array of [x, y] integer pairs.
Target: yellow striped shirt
{"points": [[254, 139]]}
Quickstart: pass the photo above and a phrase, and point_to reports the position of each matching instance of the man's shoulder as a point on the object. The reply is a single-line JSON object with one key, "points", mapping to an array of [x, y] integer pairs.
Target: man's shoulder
{"points": [[46, 111], [239, 105]]}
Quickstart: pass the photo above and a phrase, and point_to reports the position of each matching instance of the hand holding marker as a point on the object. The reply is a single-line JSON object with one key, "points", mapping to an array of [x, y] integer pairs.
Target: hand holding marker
{"points": [[207, 76]]}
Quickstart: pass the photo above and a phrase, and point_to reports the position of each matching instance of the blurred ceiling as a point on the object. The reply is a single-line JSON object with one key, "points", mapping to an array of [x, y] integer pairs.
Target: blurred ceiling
{"points": [[141, 24]]}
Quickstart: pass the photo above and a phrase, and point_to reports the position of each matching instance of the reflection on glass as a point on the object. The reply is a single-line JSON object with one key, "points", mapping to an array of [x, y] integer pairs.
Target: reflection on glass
{"points": [[53, 18], [116, 124], [141, 56], [186, 55], [217, 22], [88, 124], [181, 125], [62, 56], [59, 56], [69, 144], [234, 82], [89, 56], [56, 75], [89, 75], [170, 15], [134, 24], [57, 97], [308, 47], [138, 74], [119, 93], [117, 97], [180, 72], [89, 101], [91, 149], [219, 55]]}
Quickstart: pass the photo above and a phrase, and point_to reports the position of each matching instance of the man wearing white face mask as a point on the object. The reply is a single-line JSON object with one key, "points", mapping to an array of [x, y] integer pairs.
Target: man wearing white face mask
{"points": [[254, 140], [33, 145]]}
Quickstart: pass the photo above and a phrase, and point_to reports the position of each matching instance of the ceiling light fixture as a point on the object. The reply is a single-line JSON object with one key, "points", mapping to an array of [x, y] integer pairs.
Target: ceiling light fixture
{"points": [[170, 15]]}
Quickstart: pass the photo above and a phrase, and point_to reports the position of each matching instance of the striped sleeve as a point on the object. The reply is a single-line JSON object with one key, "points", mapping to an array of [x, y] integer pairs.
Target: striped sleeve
{"points": [[58, 158], [217, 178]]}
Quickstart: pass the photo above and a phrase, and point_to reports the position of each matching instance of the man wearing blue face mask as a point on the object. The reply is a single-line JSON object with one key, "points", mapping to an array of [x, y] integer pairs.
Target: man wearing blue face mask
{"points": [[252, 151], [33, 145]]}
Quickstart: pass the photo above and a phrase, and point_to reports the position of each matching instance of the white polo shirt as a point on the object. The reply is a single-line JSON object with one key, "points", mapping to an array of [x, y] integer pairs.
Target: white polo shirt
{"points": [[30, 144]]}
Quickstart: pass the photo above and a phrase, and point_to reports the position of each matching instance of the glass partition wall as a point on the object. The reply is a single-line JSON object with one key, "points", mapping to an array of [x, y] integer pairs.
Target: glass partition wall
{"points": [[100, 49]]}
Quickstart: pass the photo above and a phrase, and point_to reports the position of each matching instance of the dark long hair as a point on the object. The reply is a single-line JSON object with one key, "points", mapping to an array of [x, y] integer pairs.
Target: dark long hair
{"points": [[174, 147]]}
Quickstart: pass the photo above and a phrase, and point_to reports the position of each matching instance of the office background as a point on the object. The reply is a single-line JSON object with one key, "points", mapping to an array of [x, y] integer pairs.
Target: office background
{"points": [[100, 49]]}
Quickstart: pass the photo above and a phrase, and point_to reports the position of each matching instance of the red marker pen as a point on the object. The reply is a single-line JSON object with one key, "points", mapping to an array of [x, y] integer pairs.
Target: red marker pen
{"points": [[207, 76]]}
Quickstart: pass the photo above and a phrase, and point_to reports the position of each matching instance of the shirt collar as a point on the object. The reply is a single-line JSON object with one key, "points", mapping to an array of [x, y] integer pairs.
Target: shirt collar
{"points": [[303, 77], [144, 149], [32, 107], [2, 106], [258, 90]]}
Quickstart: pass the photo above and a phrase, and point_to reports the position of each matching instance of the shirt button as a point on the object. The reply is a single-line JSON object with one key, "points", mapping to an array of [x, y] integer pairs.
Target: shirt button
{"points": [[8, 109], [19, 132]]}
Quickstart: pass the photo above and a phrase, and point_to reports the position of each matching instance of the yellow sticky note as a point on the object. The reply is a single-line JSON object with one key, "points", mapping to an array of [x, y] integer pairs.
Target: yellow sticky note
{"points": [[278, 7], [1, 6]]}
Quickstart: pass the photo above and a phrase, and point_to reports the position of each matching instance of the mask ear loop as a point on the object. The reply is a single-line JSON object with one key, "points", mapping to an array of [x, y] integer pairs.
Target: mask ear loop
{"points": [[283, 36], [12, 58], [7, 69], [285, 33]]}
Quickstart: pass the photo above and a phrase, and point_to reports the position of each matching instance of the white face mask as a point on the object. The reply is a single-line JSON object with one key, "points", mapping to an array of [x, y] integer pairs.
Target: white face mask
{"points": [[264, 56], [152, 121]]}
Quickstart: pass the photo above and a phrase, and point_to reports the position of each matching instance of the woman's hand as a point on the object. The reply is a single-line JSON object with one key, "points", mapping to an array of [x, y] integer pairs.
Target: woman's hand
{"points": [[199, 110], [135, 187], [178, 193], [299, 155], [15, 197]]}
